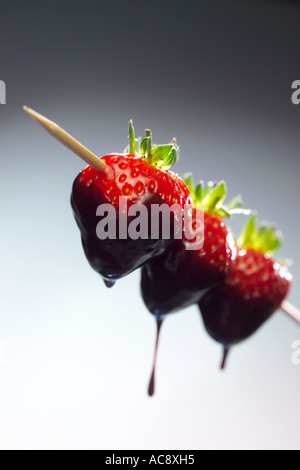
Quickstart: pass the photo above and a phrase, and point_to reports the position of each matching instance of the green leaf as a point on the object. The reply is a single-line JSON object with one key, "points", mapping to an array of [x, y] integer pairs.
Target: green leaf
{"points": [[216, 196], [222, 211], [149, 136], [144, 146], [248, 232], [212, 196], [199, 192], [275, 239], [260, 242], [131, 138], [210, 185], [265, 238], [163, 155], [159, 153], [268, 238], [189, 181], [171, 159], [235, 202]]}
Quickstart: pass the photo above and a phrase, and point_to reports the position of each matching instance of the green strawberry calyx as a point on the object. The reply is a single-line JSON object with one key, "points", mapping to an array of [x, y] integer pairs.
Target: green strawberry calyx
{"points": [[212, 196], [162, 156], [263, 237]]}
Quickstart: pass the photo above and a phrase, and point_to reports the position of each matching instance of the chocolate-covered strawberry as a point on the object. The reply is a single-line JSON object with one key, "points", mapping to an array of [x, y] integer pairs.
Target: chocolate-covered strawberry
{"points": [[180, 276], [138, 178], [253, 290], [190, 266], [113, 198]]}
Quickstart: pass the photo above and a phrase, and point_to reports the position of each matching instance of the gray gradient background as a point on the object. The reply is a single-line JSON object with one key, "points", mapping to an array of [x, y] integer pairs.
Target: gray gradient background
{"points": [[218, 75]]}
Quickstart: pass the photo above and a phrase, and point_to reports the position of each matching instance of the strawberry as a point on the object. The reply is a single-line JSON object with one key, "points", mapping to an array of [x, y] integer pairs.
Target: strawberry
{"points": [[180, 276], [138, 177], [191, 266], [254, 288]]}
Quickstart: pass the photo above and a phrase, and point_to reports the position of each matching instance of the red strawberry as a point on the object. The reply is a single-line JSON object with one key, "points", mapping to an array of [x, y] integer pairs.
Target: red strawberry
{"points": [[254, 288], [180, 276], [126, 187], [138, 177]]}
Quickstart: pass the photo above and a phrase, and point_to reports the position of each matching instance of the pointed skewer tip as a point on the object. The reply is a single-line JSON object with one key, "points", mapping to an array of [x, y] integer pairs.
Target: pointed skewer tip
{"points": [[67, 140]]}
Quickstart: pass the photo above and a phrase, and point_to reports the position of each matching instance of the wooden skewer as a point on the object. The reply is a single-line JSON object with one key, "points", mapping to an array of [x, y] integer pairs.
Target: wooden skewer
{"points": [[291, 310], [67, 140]]}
